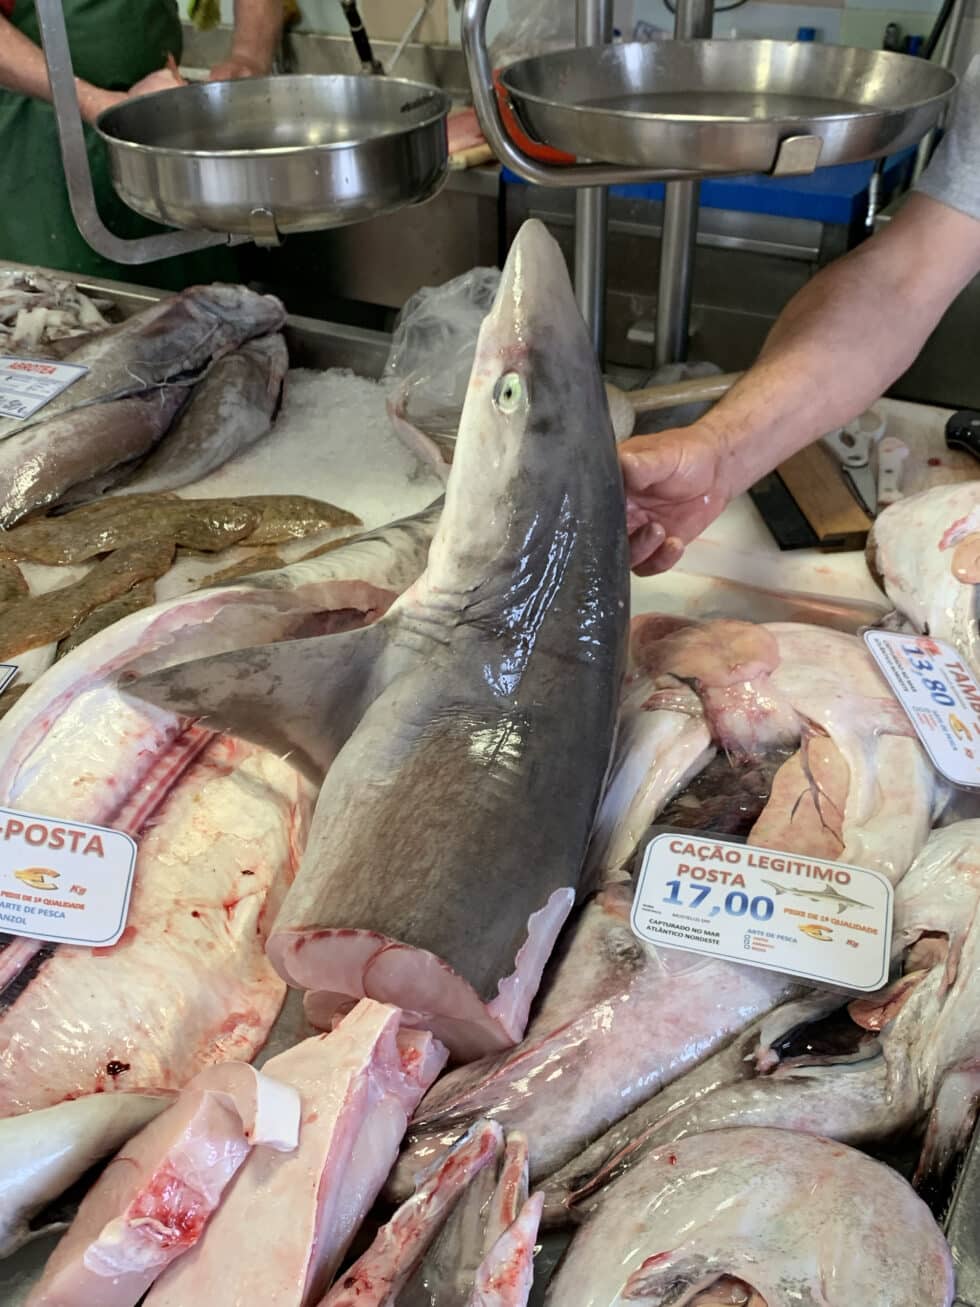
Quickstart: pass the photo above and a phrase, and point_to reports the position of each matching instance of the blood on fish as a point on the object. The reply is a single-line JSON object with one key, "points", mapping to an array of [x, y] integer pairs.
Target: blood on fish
{"points": [[169, 1210], [935, 462]]}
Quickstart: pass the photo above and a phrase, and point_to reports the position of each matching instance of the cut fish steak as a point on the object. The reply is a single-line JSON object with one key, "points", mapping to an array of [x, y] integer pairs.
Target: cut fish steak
{"points": [[924, 551], [45, 1152], [619, 1020], [468, 787], [798, 1218], [153, 1201], [284, 1226], [378, 1276], [885, 1064], [850, 781]]}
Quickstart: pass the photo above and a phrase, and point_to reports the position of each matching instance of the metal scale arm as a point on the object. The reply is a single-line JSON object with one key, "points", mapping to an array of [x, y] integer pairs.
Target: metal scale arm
{"points": [[795, 155], [74, 157]]}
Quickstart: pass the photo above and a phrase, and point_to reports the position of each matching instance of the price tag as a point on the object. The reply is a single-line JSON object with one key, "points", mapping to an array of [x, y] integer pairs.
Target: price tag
{"points": [[823, 921], [63, 881], [940, 695], [26, 385], [8, 674]]}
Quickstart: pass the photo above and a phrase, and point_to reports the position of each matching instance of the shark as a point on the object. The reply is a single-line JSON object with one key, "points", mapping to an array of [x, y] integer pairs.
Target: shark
{"points": [[825, 894]]}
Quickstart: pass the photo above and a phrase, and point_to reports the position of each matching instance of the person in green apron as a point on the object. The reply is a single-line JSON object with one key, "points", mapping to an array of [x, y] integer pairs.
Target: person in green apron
{"points": [[118, 47]]}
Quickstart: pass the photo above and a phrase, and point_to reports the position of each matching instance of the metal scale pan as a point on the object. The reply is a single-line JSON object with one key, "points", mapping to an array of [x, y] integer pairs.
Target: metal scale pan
{"points": [[726, 106], [268, 156]]}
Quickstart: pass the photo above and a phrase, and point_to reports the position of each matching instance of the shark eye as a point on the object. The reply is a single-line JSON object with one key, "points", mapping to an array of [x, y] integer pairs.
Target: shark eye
{"points": [[508, 393]]}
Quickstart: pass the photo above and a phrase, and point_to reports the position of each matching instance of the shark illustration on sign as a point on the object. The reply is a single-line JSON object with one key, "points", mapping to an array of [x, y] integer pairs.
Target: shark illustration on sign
{"points": [[825, 894]]}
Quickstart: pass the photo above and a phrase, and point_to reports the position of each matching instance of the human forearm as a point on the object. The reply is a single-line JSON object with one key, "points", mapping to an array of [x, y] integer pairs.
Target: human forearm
{"points": [[23, 69], [258, 26], [845, 338]]}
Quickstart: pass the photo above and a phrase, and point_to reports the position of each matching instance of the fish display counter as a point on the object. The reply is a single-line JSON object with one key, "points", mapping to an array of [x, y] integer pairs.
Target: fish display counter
{"points": [[404, 906]]}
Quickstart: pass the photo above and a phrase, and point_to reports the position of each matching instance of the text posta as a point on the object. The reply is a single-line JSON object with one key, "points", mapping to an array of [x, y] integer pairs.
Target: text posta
{"points": [[47, 835]]}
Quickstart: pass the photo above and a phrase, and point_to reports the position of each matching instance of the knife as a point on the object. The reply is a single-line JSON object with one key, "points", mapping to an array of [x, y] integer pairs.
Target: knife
{"points": [[963, 432]]}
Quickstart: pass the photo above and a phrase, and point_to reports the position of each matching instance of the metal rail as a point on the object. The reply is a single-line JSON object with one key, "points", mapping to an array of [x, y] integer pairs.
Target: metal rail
{"points": [[595, 21], [694, 19], [74, 157]]}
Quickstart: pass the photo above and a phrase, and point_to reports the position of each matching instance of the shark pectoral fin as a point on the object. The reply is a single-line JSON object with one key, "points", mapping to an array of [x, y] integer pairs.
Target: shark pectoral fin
{"points": [[300, 699]]}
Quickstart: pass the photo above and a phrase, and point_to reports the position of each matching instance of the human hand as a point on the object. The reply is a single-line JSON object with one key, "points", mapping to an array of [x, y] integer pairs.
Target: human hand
{"points": [[93, 100], [236, 66], [676, 484]]}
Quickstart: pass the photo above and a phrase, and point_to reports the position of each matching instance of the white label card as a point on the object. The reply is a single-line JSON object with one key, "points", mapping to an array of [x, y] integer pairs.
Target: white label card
{"points": [[62, 881], [940, 695], [26, 385], [8, 673], [823, 921]]}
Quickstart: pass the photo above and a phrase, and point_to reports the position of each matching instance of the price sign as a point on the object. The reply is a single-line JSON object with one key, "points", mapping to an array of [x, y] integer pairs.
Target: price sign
{"points": [[824, 921], [26, 385], [940, 695]]}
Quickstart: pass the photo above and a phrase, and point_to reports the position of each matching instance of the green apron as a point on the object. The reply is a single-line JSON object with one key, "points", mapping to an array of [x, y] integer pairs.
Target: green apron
{"points": [[114, 43]]}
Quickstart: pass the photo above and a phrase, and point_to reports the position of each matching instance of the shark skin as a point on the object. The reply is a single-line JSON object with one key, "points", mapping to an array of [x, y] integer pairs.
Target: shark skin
{"points": [[475, 721]]}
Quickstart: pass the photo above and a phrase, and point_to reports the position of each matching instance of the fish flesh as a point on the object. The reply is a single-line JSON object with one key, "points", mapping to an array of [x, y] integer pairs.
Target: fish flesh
{"points": [[231, 408], [37, 620], [153, 1201], [619, 1019], [893, 1059], [192, 974], [206, 525], [46, 1152], [189, 983], [798, 1218], [487, 1245], [139, 377], [378, 1276], [924, 552], [842, 775], [462, 779], [505, 1277], [359, 1085]]}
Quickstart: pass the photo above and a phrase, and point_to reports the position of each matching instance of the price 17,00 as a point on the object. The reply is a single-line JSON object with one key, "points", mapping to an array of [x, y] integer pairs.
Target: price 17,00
{"points": [[736, 903]]}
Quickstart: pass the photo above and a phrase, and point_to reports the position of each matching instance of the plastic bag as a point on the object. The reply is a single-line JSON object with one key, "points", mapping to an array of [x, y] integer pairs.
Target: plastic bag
{"points": [[431, 357], [533, 27]]}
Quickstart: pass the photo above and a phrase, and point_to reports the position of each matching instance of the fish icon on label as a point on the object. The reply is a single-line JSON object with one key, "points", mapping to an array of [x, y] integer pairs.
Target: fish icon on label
{"points": [[822, 933], [38, 877], [959, 728], [825, 894]]}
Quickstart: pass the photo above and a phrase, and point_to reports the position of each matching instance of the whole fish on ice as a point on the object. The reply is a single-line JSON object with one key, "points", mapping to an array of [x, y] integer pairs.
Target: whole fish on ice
{"points": [[925, 553], [231, 408], [139, 377], [475, 720], [794, 1218]]}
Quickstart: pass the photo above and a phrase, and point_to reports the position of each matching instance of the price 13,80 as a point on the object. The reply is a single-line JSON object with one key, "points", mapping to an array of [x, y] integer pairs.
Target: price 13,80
{"points": [[736, 903]]}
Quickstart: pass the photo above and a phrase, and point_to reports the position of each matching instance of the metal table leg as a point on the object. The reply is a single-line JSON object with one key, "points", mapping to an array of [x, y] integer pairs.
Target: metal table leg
{"points": [[680, 224], [592, 203]]}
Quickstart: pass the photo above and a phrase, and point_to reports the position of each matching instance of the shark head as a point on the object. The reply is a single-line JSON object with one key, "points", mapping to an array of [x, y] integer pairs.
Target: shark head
{"points": [[535, 456]]}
